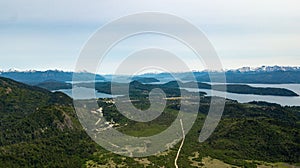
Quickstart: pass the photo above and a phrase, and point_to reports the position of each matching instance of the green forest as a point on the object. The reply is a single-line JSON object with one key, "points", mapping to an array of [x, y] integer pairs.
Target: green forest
{"points": [[40, 128]]}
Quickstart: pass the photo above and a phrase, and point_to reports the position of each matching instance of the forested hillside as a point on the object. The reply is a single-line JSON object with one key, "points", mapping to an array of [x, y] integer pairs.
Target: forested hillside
{"points": [[40, 129]]}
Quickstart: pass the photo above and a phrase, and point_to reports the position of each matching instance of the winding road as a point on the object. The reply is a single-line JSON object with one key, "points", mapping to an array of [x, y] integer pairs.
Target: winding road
{"points": [[181, 145]]}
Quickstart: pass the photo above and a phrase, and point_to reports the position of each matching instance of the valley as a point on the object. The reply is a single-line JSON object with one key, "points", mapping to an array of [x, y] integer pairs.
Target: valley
{"points": [[40, 127]]}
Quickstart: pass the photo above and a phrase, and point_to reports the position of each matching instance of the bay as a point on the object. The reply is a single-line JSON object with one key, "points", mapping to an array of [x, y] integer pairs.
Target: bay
{"points": [[245, 98]]}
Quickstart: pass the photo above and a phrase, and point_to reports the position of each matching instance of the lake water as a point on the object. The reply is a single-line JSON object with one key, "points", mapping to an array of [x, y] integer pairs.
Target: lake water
{"points": [[85, 93], [88, 93], [244, 98], [87, 81]]}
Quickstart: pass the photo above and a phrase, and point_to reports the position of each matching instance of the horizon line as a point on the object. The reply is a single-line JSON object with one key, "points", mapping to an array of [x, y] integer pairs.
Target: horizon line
{"points": [[154, 72]]}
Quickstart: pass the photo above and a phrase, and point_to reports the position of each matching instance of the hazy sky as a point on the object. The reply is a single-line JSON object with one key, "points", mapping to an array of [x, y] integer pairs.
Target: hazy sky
{"points": [[49, 34]]}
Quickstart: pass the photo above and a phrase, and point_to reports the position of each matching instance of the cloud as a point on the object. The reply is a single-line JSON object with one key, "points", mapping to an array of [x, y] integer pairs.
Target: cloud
{"points": [[241, 31]]}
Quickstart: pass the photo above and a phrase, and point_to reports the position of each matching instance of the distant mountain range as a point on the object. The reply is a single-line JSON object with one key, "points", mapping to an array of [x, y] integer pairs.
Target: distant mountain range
{"points": [[264, 74], [35, 77], [267, 69], [261, 75]]}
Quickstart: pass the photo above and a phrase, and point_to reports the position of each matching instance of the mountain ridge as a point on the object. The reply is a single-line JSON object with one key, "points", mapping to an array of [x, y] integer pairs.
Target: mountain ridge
{"points": [[34, 77], [268, 68], [262, 75]]}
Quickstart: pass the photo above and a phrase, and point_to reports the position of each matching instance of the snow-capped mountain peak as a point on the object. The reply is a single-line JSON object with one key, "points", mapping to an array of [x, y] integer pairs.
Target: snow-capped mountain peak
{"points": [[268, 69]]}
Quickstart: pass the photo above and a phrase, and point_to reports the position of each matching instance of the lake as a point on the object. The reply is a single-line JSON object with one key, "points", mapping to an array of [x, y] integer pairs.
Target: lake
{"points": [[244, 98], [85, 93], [89, 93]]}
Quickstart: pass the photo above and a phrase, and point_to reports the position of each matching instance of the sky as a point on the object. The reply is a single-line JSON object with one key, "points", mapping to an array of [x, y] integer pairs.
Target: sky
{"points": [[50, 34]]}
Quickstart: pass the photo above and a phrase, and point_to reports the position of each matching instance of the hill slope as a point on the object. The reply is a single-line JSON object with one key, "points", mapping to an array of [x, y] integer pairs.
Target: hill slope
{"points": [[39, 128]]}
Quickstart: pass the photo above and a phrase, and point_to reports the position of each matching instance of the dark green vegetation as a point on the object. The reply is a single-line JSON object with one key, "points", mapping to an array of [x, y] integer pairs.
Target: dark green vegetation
{"points": [[245, 89], [55, 80], [256, 131], [54, 85], [247, 134], [40, 129], [171, 87], [145, 80]]}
